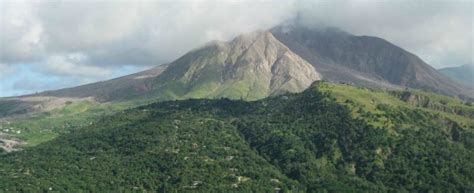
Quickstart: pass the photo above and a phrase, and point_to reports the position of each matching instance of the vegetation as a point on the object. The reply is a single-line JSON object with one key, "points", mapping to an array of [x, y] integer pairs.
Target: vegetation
{"points": [[305, 142], [45, 126], [373, 105]]}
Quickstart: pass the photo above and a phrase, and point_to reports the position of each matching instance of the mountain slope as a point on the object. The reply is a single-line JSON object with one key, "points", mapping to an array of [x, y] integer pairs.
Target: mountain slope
{"points": [[250, 67], [125, 87], [463, 74], [122, 88], [310, 142], [365, 60]]}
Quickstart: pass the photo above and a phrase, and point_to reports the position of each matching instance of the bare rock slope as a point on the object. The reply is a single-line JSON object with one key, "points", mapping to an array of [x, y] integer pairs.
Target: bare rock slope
{"points": [[251, 66], [366, 60]]}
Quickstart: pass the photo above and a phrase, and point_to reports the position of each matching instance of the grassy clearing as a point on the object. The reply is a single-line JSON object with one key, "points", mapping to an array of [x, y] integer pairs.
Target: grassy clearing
{"points": [[45, 126], [372, 102]]}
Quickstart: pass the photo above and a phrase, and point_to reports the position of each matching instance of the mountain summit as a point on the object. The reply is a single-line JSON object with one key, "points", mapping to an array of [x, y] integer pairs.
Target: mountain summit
{"points": [[251, 66]]}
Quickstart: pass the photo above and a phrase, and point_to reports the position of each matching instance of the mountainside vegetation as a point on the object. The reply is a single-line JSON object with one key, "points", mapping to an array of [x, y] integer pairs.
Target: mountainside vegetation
{"points": [[44, 126], [329, 138]]}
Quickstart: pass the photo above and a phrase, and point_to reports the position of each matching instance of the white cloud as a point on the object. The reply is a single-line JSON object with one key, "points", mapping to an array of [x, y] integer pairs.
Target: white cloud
{"points": [[20, 32], [126, 32], [147, 33], [72, 65], [439, 31]]}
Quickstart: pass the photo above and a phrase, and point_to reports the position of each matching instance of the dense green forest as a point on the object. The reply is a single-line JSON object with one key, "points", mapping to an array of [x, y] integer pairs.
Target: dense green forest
{"points": [[320, 140]]}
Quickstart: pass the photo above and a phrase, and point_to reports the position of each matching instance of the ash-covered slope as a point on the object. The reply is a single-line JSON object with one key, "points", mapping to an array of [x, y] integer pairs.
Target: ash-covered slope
{"points": [[365, 60], [251, 66], [125, 87]]}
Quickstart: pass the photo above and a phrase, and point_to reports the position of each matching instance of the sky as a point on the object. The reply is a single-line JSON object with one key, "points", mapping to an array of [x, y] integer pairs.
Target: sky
{"points": [[51, 44]]}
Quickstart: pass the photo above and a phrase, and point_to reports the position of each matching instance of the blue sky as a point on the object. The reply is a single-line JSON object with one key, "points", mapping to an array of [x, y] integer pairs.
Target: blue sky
{"points": [[57, 44], [26, 79]]}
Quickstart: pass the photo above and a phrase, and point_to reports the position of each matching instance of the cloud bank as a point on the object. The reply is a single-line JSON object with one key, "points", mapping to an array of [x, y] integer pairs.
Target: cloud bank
{"points": [[125, 33], [439, 31], [93, 40]]}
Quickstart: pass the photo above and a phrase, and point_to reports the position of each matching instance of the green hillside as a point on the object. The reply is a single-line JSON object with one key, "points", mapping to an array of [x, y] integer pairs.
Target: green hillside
{"points": [[392, 109], [330, 138], [44, 126]]}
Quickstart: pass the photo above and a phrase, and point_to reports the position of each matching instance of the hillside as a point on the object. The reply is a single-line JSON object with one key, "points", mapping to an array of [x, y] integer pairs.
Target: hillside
{"points": [[463, 74], [313, 141], [365, 61]]}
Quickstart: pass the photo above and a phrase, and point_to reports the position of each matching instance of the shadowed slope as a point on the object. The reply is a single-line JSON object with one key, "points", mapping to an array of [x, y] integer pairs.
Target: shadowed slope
{"points": [[365, 60]]}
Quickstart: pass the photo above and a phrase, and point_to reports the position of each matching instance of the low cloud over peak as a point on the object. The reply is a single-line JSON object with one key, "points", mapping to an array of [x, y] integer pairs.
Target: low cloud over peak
{"points": [[115, 35]]}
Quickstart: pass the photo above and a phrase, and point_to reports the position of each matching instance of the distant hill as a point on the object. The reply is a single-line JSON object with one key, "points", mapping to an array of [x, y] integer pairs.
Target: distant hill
{"points": [[329, 138], [463, 74]]}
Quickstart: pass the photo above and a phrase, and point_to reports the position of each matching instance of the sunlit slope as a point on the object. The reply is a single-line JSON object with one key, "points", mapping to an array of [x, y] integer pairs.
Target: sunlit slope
{"points": [[250, 67], [408, 108], [39, 127], [314, 141]]}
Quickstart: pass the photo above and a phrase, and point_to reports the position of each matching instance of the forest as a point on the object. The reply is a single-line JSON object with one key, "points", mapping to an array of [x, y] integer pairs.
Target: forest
{"points": [[304, 142]]}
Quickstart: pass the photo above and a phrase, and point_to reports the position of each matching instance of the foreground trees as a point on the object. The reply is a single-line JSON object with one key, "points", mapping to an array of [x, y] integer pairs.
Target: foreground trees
{"points": [[299, 142]]}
